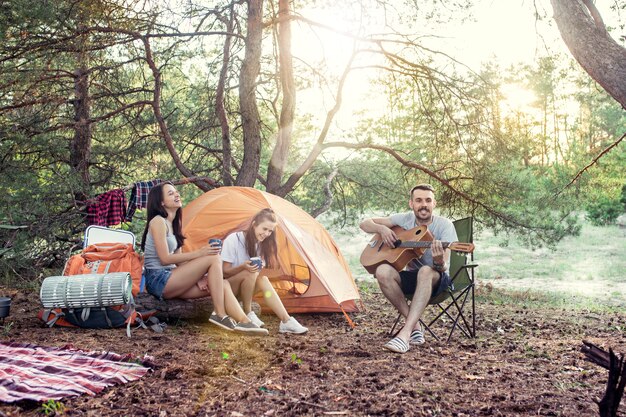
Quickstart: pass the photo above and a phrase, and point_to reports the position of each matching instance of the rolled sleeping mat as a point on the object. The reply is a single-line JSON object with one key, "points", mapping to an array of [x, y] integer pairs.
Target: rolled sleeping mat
{"points": [[88, 290]]}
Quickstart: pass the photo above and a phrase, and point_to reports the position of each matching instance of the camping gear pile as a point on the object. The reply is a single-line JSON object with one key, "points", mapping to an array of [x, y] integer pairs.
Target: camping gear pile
{"points": [[98, 285]]}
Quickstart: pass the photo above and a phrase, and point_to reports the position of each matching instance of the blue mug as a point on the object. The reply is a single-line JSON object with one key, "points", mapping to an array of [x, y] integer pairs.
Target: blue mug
{"points": [[257, 261]]}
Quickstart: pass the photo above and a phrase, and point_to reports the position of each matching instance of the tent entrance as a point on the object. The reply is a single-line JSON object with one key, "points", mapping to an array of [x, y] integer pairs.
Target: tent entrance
{"points": [[295, 283]]}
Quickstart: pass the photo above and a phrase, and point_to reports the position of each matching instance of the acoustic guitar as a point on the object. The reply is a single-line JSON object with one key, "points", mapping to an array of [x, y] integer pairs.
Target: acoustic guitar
{"points": [[411, 244]]}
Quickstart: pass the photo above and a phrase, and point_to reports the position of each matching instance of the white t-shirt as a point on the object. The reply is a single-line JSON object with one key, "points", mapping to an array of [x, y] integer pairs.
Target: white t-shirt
{"points": [[441, 229], [234, 249]]}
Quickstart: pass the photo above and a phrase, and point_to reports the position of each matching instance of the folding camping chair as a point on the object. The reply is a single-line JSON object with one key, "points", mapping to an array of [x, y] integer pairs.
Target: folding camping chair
{"points": [[451, 303]]}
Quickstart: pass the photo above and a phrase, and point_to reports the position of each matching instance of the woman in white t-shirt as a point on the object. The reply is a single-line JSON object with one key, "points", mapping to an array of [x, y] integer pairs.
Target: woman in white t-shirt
{"points": [[258, 240]]}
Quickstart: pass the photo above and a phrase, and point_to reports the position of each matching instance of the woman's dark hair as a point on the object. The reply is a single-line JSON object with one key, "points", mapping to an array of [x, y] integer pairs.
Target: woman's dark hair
{"points": [[268, 247], [155, 208]]}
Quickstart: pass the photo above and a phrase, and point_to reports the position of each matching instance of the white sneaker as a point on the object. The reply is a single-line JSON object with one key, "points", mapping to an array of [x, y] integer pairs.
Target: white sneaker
{"points": [[250, 328], [292, 326], [254, 319]]}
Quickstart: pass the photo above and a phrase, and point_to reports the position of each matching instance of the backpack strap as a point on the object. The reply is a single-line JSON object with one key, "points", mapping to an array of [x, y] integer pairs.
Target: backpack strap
{"points": [[156, 325], [50, 321], [106, 317], [99, 292], [151, 322], [85, 313], [132, 314], [71, 312]]}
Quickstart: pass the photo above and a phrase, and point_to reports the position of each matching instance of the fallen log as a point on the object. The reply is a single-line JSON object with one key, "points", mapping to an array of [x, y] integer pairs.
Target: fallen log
{"points": [[199, 308], [616, 383]]}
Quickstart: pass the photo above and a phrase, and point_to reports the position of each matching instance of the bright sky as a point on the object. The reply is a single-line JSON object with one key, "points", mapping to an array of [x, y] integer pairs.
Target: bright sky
{"points": [[509, 31], [504, 31]]}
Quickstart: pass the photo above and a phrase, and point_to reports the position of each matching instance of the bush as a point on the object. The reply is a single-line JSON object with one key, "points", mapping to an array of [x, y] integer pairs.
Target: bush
{"points": [[605, 210]]}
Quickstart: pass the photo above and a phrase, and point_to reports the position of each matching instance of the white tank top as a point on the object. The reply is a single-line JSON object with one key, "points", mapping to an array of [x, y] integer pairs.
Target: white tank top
{"points": [[150, 258]]}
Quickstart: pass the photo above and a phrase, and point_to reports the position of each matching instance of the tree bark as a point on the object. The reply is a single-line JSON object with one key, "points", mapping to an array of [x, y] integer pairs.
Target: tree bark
{"points": [[285, 126], [250, 120], [220, 105], [588, 41], [80, 147], [199, 308], [328, 192]]}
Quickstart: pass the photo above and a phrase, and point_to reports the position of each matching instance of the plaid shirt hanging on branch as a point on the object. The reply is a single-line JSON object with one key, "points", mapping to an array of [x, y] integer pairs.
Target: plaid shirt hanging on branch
{"points": [[139, 196], [107, 209]]}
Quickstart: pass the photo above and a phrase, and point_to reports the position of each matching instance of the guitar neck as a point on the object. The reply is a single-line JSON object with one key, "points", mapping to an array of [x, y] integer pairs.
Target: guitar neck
{"points": [[420, 244]]}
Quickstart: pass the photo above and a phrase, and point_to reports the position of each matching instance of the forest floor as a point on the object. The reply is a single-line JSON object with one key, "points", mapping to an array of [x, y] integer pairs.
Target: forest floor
{"points": [[525, 361]]}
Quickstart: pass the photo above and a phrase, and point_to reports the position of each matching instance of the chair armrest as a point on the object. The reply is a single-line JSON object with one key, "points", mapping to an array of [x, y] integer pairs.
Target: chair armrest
{"points": [[466, 266]]}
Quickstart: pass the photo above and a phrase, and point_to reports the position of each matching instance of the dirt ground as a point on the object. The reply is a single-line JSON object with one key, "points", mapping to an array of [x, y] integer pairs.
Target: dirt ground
{"points": [[525, 361]]}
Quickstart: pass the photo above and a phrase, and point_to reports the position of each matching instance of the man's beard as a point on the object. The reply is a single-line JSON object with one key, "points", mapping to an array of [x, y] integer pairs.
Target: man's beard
{"points": [[424, 214]]}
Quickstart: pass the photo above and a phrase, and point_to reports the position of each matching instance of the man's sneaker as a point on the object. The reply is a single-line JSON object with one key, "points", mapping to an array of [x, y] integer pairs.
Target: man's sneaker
{"points": [[292, 326], [225, 322], [254, 319], [250, 328]]}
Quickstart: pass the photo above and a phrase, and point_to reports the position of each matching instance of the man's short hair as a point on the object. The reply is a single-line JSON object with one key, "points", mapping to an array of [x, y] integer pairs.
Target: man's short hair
{"points": [[425, 187]]}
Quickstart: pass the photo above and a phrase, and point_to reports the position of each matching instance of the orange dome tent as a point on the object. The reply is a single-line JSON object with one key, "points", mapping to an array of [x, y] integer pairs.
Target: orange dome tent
{"points": [[312, 276]]}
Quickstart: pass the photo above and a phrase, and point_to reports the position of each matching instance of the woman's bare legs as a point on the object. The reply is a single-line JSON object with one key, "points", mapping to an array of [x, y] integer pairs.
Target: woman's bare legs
{"points": [[233, 309], [182, 282], [243, 285], [272, 300], [246, 284]]}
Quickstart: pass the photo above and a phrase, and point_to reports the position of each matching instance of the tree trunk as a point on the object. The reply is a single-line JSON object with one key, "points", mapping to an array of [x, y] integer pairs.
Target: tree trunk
{"points": [[220, 105], [200, 308], [588, 41], [285, 127], [328, 192], [250, 121], [80, 147]]}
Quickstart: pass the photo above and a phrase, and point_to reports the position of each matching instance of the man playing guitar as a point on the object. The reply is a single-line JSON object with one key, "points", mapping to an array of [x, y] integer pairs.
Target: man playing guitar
{"points": [[424, 277]]}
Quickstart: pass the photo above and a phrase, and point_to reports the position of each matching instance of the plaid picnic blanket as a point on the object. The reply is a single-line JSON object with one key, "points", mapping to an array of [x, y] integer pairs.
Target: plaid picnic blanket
{"points": [[31, 372]]}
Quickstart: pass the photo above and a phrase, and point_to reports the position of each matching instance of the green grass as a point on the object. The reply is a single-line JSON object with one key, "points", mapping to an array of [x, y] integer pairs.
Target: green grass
{"points": [[585, 271], [588, 268], [597, 252]]}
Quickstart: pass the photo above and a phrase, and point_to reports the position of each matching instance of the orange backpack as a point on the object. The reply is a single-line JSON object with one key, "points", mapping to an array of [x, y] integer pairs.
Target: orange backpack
{"points": [[102, 258]]}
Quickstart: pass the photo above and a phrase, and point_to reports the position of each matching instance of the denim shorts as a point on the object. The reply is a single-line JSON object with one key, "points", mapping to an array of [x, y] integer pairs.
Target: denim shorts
{"points": [[156, 279], [408, 282]]}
